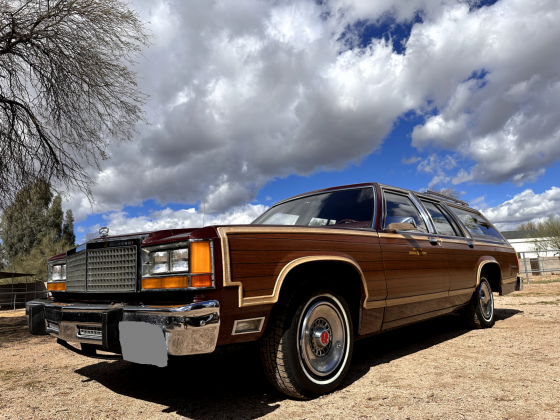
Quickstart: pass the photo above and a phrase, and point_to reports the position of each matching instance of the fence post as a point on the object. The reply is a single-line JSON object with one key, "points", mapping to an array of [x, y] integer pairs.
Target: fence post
{"points": [[525, 263]]}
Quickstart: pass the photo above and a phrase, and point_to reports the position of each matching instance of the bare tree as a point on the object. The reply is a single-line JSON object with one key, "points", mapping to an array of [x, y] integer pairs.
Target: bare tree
{"points": [[450, 192], [66, 89]]}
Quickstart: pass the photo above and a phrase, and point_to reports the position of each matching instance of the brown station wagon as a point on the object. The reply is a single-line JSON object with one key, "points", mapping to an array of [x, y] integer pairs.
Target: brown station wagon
{"points": [[311, 275]]}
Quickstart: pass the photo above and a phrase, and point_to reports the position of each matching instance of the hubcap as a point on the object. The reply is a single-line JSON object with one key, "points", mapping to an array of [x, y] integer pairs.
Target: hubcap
{"points": [[322, 338], [486, 300]]}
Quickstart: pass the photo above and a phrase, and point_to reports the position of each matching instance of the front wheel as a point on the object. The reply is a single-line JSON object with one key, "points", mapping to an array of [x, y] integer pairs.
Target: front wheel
{"points": [[480, 311], [308, 344]]}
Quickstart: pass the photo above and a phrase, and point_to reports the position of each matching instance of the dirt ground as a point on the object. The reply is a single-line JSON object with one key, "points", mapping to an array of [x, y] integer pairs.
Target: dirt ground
{"points": [[436, 369]]}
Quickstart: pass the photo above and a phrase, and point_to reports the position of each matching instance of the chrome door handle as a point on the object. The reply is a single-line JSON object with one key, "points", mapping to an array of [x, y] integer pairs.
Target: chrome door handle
{"points": [[433, 241], [470, 244]]}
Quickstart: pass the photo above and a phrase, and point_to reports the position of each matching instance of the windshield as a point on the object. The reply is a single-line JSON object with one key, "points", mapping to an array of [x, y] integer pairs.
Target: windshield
{"points": [[351, 208]]}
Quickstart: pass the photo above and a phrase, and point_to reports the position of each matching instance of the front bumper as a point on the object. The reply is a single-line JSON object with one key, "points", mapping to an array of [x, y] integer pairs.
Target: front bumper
{"points": [[188, 329]]}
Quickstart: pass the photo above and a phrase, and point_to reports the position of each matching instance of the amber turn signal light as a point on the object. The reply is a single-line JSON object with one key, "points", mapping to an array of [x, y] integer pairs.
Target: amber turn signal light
{"points": [[174, 282], [201, 281], [201, 261], [56, 287]]}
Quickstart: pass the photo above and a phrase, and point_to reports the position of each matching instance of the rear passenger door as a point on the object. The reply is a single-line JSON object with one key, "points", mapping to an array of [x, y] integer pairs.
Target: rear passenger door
{"points": [[461, 256]]}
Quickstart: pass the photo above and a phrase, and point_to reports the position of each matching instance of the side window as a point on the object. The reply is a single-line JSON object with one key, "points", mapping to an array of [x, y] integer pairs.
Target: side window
{"points": [[443, 223], [477, 225], [401, 210]]}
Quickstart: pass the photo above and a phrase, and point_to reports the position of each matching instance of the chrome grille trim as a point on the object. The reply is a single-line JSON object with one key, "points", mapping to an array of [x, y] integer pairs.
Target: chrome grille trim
{"points": [[76, 272], [112, 269]]}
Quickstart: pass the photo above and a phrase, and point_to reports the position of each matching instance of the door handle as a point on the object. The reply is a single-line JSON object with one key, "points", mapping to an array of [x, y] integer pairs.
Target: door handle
{"points": [[433, 241], [470, 244]]}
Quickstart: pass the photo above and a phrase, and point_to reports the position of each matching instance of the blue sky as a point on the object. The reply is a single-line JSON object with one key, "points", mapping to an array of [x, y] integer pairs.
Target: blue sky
{"points": [[252, 102]]}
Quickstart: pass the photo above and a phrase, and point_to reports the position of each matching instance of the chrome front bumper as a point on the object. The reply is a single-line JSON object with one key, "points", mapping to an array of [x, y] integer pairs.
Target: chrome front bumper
{"points": [[188, 329]]}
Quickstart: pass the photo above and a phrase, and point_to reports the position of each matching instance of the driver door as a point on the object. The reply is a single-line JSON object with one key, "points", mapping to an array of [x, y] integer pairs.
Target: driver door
{"points": [[416, 270]]}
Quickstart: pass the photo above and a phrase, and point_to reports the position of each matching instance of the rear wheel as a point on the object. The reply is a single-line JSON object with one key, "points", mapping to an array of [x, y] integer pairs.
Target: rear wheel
{"points": [[480, 311], [307, 347]]}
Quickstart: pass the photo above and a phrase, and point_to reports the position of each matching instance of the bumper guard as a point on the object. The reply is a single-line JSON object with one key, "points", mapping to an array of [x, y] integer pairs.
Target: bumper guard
{"points": [[188, 329]]}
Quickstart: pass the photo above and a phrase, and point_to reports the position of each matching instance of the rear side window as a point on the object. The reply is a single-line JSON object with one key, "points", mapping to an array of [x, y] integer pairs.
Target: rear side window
{"points": [[442, 221], [477, 225], [401, 210]]}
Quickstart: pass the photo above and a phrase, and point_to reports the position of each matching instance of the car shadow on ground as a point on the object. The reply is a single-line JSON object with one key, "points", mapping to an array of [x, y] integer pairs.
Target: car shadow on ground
{"points": [[392, 345], [229, 384]]}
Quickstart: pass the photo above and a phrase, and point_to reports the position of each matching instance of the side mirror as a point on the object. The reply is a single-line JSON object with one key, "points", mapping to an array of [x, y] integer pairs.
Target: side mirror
{"points": [[393, 227]]}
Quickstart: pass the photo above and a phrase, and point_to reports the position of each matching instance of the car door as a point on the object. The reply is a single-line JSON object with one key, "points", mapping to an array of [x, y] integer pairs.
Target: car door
{"points": [[415, 263], [459, 249]]}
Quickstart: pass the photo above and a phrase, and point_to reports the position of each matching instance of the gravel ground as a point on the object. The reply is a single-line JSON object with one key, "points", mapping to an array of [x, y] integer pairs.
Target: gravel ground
{"points": [[432, 370]]}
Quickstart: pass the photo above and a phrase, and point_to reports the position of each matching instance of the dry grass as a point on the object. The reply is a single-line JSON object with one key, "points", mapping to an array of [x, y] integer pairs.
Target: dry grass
{"points": [[433, 370]]}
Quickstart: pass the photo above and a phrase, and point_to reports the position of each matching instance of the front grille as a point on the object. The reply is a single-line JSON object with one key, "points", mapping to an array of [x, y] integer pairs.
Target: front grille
{"points": [[91, 332], [76, 272], [112, 269]]}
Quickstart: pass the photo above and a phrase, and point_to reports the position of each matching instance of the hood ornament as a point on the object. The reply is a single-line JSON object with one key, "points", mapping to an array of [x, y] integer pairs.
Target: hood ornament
{"points": [[104, 231]]}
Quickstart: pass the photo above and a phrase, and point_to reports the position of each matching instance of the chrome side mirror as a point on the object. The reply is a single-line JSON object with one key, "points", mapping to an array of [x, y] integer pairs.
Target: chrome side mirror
{"points": [[393, 227]]}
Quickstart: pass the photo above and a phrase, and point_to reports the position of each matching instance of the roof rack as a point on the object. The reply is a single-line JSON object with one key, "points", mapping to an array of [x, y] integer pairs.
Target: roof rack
{"points": [[446, 197]]}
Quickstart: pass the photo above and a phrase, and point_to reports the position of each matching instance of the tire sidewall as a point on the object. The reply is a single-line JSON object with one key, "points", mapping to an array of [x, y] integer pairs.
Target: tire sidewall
{"points": [[318, 387], [483, 321]]}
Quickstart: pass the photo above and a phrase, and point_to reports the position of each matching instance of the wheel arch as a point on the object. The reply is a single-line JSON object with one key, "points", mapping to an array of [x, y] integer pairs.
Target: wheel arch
{"points": [[490, 268], [325, 272]]}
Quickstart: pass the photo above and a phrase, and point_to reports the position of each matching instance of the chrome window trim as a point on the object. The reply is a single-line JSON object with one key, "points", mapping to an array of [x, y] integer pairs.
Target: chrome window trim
{"points": [[448, 213], [261, 318], [431, 227], [406, 193], [372, 186]]}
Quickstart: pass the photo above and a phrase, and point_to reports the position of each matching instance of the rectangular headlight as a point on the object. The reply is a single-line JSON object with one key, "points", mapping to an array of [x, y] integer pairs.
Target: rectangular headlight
{"points": [[56, 272], [183, 265], [180, 259], [159, 262]]}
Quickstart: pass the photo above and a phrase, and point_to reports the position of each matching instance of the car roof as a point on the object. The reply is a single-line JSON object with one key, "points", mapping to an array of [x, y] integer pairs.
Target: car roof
{"points": [[447, 200]]}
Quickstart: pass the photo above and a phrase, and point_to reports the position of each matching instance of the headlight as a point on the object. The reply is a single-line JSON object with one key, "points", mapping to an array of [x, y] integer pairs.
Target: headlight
{"points": [[168, 261], [185, 265], [56, 277], [180, 260], [159, 262]]}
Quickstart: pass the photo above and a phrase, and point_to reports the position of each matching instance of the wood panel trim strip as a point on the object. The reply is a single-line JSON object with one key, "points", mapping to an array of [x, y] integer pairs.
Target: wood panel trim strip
{"points": [[263, 300], [512, 280], [414, 299]]}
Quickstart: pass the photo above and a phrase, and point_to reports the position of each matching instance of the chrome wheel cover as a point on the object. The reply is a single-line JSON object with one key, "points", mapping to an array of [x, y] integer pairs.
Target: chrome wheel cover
{"points": [[486, 300], [322, 339]]}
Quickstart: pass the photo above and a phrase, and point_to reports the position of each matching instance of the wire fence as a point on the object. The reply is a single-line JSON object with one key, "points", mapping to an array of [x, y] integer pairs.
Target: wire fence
{"points": [[539, 265], [18, 293]]}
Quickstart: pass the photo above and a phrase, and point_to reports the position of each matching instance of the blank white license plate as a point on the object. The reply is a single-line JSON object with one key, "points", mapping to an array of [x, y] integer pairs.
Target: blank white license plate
{"points": [[143, 343]]}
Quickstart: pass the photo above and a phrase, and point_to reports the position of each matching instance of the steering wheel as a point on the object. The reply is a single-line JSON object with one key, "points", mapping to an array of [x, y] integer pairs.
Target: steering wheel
{"points": [[346, 221]]}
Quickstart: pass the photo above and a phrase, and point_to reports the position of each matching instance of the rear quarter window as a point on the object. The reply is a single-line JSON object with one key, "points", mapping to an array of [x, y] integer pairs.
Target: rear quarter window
{"points": [[477, 225]]}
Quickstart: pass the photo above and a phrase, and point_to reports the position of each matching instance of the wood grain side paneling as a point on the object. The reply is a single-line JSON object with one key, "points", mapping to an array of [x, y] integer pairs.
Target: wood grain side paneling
{"points": [[252, 293], [413, 266], [248, 257], [462, 261], [258, 259], [266, 244]]}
